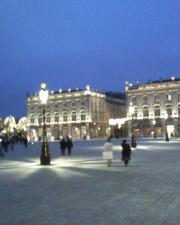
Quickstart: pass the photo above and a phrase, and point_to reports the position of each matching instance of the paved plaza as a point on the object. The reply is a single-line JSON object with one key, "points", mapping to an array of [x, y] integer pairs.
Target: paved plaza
{"points": [[81, 190]]}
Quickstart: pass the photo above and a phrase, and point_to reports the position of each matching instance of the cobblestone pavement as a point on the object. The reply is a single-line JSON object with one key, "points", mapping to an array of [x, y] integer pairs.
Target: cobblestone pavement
{"points": [[82, 190]]}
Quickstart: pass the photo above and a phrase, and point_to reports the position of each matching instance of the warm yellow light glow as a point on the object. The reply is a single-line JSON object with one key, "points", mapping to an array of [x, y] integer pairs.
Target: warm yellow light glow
{"points": [[43, 94]]}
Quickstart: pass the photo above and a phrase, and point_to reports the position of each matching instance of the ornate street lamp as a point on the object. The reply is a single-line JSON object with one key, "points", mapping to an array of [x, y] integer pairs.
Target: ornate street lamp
{"points": [[45, 155], [131, 112], [154, 123], [165, 117]]}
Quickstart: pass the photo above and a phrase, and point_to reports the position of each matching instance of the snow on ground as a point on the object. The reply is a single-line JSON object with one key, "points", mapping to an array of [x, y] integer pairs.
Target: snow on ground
{"points": [[81, 190]]}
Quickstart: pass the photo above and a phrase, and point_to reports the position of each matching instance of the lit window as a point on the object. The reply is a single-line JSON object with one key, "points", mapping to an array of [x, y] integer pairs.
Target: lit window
{"points": [[168, 97]]}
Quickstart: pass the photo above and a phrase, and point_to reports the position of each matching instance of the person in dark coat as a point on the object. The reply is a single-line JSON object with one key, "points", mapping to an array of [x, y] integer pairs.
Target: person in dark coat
{"points": [[69, 145], [62, 146], [126, 152]]}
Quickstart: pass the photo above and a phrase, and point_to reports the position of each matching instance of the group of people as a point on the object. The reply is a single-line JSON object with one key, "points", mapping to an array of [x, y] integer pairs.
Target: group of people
{"points": [[7, 142], [66, 143], [108, 152]]}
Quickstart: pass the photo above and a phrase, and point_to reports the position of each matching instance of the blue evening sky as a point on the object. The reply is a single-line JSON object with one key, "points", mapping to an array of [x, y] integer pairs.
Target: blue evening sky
{"points": [[71, 43]]}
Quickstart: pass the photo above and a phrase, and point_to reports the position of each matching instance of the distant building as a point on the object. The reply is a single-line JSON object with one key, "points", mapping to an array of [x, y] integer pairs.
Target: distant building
{"points": [[151, 102], [76, 113]]}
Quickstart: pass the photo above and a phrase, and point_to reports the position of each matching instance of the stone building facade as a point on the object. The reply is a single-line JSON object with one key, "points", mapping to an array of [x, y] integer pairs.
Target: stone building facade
{"points": [[152, 101], [77, 113]]}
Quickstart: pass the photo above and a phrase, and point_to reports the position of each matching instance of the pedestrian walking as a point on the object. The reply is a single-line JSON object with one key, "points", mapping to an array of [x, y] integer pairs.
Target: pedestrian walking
{"points": [[69, 145], [108, 151], [63, 146], [126, 152]]}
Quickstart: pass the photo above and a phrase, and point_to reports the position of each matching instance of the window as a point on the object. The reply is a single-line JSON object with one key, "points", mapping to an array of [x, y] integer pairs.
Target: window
{"points": [[157, 111], [56, 117], [65, 117], [65, 105], [47, 106], [32, 119], [178, 110], [145, 99], [134, 100], [145, 112], [135, 112], [83, 116], [56, 106], [48, 118], [169, 110], [82, 103], [178, 97], [40, 119], [73, 116], [73, 104], [156, 98], [168, 97]]}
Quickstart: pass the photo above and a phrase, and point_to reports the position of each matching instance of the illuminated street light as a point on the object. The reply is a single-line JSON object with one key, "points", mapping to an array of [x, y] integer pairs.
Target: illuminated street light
{"points": [[45, 155], [131, 112], [165, 117]]}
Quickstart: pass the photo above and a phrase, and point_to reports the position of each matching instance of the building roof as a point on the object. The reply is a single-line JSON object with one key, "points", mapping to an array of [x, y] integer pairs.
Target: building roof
{"points": [[151, 82]]}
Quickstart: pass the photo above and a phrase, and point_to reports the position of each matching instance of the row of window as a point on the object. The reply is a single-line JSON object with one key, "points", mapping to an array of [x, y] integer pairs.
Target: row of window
{"points": [[56, 117], [156, 99], [157, 111], [65, 105]]}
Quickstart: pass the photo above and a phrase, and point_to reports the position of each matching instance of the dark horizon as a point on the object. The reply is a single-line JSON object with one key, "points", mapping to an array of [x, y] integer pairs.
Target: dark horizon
{"points": [[71, 44]]}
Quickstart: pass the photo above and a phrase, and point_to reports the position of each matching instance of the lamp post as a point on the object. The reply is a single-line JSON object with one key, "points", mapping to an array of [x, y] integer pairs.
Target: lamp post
{"points": [[131, 112], [154, 123], [165, 117], [45, 155]]}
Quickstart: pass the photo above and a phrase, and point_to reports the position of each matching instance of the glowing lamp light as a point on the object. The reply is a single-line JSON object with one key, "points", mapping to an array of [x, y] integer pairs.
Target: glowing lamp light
{"points": [[43, 94], [87, 87], [154, 122]]}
